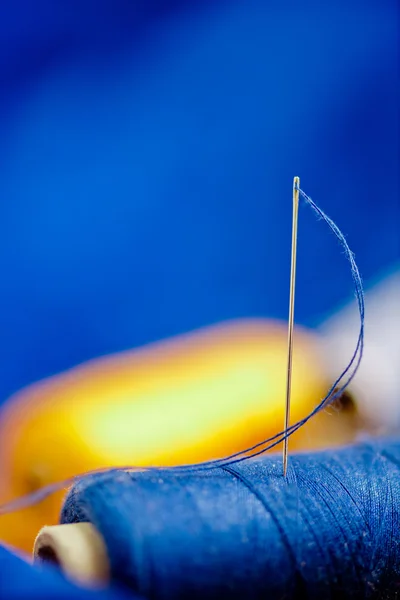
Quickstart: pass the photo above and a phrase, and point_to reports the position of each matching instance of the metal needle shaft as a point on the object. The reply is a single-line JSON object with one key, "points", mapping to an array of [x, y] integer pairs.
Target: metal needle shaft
{"points": [[296, 187]]}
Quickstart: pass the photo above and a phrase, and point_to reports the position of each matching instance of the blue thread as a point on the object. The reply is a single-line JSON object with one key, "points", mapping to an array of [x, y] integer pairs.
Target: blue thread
{"points": [[261, 447], [334, 392], [243, 531]]}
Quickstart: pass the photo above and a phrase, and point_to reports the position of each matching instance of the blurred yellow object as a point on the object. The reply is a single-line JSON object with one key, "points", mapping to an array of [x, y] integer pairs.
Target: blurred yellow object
{"points": [[198, 396]]}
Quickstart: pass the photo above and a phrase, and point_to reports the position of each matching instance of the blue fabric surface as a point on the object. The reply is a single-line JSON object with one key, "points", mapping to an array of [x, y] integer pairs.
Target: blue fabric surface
{"points": [[21, 581], [329, 531], [147, 151]]}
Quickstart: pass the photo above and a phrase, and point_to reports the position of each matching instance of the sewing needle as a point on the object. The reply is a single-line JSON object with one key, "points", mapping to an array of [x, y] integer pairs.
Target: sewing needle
{"points": [[296, 187]]}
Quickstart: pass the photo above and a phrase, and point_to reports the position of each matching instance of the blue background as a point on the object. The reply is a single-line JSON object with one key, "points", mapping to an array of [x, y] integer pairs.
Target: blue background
{"points": [[147, 153]]}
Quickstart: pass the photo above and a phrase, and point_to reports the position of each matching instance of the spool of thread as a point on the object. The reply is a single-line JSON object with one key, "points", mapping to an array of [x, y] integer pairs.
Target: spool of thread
{"points": [[330, 530]]}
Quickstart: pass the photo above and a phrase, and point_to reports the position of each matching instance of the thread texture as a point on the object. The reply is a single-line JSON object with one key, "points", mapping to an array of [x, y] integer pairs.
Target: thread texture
{"points": [[331, 530]]}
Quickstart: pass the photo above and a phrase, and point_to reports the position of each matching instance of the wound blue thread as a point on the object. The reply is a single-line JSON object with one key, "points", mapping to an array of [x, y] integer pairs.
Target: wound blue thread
{"points": [[243, 531]]}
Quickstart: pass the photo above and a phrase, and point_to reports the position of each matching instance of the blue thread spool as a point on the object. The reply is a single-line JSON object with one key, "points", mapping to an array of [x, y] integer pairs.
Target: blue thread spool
{"points": [[242, 531]]}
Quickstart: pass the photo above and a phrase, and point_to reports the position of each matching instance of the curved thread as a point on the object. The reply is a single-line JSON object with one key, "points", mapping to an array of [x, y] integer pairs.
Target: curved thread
{"points": [[267, 444]]}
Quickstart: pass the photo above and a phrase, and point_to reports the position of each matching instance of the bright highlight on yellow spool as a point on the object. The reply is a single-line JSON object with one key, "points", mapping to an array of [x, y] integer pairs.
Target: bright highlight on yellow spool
{"points": [[192, 398]]}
